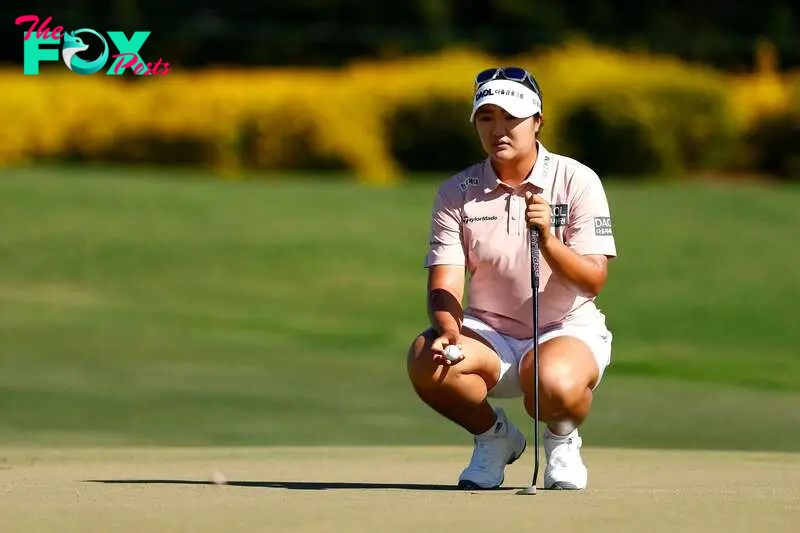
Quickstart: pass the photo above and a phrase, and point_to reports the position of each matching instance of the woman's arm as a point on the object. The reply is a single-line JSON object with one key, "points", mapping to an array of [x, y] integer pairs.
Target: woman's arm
{"points": [[588, 272], [445, 292]]}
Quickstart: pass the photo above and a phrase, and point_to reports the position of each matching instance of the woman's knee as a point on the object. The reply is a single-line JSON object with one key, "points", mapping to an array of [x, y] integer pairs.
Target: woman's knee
{"points": [[566, 370], [560, 383], [423, 371]]}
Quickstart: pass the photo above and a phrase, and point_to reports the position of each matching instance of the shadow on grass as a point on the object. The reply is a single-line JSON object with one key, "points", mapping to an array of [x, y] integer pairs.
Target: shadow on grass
{"points": [[297, 485]]}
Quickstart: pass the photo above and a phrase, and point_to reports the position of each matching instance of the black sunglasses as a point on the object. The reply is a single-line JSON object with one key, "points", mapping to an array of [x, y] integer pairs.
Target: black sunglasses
{"points": [[517, 74]]}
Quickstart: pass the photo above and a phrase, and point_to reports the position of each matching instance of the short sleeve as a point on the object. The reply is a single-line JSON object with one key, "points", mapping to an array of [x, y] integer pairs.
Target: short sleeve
{"points": [[589, 230], [445, 246]]}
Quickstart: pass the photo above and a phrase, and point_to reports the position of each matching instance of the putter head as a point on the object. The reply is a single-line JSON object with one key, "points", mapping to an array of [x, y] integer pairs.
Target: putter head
{"points": [[527, 491]]}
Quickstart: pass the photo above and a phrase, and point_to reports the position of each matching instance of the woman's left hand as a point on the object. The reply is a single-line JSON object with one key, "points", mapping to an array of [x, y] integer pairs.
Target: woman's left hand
{"points": [[537, 214]]}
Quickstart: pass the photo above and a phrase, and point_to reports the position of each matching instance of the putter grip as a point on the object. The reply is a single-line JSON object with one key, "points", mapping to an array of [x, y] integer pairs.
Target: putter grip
{"points": [[534, 235]]}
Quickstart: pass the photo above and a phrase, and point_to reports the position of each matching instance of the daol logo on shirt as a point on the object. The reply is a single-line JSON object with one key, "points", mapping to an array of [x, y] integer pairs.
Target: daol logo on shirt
{"points": [[602, 226], [558, 215]]}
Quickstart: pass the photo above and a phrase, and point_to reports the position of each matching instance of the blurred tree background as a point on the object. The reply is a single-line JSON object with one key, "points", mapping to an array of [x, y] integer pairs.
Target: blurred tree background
{"points": [[330, 32], [681, 87]]}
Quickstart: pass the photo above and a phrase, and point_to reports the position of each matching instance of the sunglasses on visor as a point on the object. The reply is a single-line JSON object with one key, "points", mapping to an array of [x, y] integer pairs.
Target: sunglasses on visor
{"points": [[508, 73]]}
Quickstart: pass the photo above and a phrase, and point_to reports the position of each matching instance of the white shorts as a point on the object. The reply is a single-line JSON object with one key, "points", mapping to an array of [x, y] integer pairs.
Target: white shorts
{"points": [[511, 351]]}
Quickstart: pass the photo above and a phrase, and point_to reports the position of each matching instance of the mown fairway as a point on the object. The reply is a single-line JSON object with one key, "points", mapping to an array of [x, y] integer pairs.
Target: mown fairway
{"points": [[136, 310]]}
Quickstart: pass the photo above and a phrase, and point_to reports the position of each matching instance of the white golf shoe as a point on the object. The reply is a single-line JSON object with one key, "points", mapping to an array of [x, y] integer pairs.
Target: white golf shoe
{"points": [[565, 469], [502, 446]]}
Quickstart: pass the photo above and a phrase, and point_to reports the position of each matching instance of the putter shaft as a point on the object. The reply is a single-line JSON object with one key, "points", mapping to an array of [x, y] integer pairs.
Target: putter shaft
{"points": [[534, 237]]}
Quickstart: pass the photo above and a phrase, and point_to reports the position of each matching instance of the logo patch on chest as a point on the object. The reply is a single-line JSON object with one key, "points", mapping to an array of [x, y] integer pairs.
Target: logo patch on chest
{"points": [[559, 215], [485, 218]]}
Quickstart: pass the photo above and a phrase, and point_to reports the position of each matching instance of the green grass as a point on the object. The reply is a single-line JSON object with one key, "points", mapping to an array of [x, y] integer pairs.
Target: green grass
{"points": [[140, 310]]}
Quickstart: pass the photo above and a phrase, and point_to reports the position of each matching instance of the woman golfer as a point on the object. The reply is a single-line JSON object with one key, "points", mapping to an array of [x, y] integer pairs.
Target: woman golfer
{"points": [[480, 223]]}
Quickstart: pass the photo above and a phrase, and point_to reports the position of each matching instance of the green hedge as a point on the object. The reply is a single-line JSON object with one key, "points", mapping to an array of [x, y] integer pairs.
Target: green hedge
{"points": [[433, 135], [773, 146], [664, 131]]}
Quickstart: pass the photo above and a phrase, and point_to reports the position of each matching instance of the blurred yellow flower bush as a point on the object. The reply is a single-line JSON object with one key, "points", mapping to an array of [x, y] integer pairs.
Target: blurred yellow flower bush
{"points": [[682, 117]]}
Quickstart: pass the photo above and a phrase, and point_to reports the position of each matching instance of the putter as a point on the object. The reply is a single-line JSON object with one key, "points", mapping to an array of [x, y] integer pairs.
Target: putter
{"points": [[534, 235]]}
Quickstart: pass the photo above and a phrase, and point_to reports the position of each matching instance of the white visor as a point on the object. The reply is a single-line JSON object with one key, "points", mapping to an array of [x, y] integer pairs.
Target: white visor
{"points": [[515, 98]]}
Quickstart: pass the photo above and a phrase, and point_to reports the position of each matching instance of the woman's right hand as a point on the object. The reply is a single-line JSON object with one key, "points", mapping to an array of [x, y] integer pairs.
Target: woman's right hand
{"points": [[438, 346]]}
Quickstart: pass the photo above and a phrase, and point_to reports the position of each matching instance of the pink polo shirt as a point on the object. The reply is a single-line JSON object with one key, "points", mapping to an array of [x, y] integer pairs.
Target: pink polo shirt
{"points": [[479, 222]]}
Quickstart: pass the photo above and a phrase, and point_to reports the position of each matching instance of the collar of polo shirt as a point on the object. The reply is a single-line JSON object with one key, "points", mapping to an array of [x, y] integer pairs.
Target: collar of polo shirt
{"points": [[537, 176]]}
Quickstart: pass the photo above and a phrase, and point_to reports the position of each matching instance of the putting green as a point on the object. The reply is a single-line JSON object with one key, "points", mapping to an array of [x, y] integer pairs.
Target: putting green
{"points": [[388, 489]]}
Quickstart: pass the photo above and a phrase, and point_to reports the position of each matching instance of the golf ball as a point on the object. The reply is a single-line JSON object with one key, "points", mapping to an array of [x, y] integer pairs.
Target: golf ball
{"points": [[218, 478], [452, 352]]}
